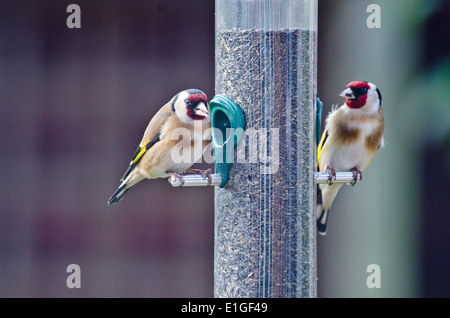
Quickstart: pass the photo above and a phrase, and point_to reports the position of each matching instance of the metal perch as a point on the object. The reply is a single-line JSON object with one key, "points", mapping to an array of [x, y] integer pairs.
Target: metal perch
{"points": [[195, 180]]}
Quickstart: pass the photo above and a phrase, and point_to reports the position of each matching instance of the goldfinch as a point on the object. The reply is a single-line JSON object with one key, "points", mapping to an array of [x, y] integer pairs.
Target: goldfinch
{"points": [[173, 141], [352, 135]]}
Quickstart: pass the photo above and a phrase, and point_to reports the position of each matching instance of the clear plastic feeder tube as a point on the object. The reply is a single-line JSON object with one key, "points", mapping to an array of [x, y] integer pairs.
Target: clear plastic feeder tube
{"points": [[265, 239]]}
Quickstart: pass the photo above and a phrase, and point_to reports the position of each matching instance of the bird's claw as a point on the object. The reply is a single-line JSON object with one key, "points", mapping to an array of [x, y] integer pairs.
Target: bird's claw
{"points": [[206, 174], [176, 176], [332, 173], [357, 176]]}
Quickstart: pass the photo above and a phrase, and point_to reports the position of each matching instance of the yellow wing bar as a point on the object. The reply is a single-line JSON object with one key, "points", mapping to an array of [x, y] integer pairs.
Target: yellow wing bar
{"points": [[321, 143], [139, 155]]}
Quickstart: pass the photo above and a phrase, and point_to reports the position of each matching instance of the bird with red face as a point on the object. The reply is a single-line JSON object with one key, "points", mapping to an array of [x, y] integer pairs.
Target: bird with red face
{"points": [[353, 134], [154, 157]]}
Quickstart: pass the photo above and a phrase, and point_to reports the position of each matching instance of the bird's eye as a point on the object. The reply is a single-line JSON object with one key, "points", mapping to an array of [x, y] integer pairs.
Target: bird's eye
{"points": [[359, 91], [188, 102]]}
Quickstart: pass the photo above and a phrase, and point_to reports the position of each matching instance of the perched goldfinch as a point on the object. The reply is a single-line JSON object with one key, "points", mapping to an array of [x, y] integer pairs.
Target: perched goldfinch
{"points": [[352, 135], [183, 124]]}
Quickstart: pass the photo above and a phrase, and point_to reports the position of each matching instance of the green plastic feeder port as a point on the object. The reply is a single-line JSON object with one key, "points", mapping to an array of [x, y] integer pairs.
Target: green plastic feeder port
{"points": [[228, 124]]}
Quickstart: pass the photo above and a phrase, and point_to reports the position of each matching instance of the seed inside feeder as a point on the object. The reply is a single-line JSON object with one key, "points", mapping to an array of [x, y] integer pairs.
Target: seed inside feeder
{"points": [[264, 215]]}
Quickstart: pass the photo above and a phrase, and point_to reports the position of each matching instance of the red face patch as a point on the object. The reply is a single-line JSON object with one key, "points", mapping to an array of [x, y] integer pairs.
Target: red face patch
{"points": [[197, 98], [359, 90], [358, 84]]}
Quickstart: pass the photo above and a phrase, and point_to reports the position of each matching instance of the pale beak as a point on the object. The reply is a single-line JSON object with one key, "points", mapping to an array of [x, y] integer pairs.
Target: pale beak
{"points": [[348, 93], [201, 110]]}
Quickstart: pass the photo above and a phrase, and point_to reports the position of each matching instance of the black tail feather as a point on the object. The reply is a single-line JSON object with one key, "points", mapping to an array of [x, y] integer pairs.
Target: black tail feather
{"points": [[322, 223], [117, 196], [321, 214]]}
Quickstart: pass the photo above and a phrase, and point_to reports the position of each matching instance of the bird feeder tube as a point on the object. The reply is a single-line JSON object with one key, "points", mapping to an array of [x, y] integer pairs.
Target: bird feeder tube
{"points": [[265, 235]]}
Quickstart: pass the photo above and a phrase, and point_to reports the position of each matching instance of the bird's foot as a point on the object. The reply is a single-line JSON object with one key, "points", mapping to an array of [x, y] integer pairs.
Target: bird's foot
{"points": [[357, 176], [206, 174], [176, 176], [332, 173]]}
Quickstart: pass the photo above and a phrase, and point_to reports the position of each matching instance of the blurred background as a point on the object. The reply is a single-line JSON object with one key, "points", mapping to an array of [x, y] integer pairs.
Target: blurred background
{"points": [[74, 104]]}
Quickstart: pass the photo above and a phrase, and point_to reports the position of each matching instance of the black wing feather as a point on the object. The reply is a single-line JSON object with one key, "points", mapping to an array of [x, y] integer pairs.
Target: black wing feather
{"points": [[133, 164]]}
